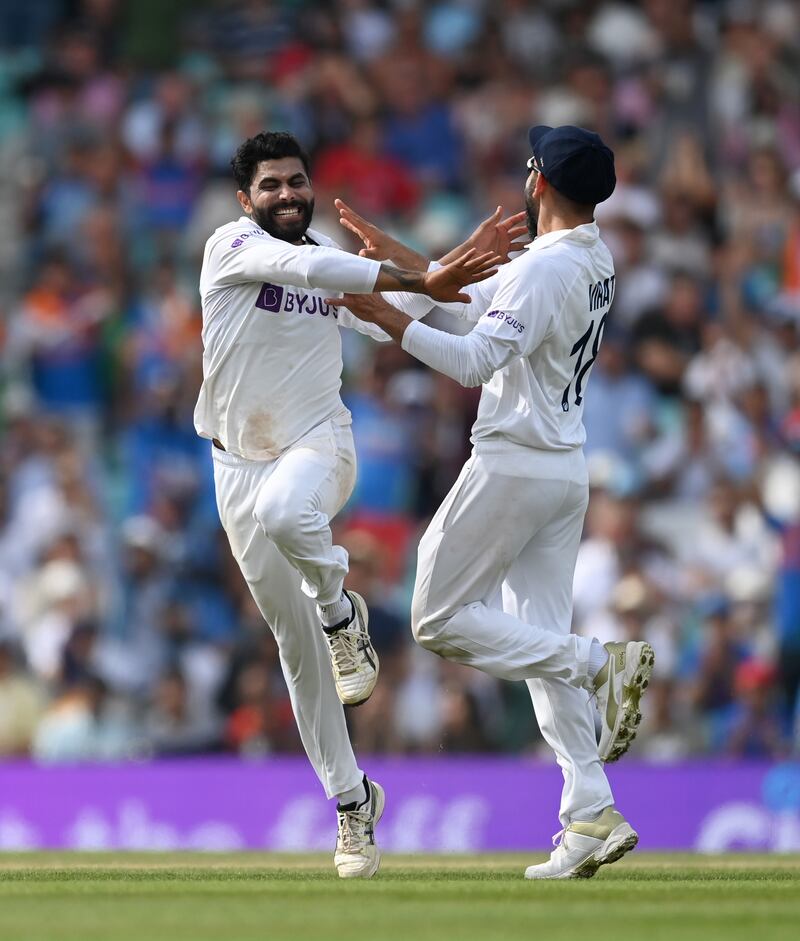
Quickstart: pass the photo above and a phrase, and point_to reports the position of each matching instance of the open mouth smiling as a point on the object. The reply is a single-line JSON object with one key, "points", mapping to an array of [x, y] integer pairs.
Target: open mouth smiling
{"points": [[289, 212]]}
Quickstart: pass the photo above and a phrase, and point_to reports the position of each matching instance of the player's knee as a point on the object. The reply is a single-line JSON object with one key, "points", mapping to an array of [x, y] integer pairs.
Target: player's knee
{"points": [[277, 516], [423, 627], [424, 636]]}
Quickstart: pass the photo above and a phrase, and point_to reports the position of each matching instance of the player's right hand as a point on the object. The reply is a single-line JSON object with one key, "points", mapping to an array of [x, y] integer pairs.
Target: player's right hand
{"points": [[445, 283], [499, 235], [495, 234], [377, 244]]}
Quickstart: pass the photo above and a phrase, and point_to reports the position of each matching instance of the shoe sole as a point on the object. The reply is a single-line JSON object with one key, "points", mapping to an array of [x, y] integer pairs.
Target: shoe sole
{"points": [[363, 614], [620, 841], [632, 689], [380, 803]]}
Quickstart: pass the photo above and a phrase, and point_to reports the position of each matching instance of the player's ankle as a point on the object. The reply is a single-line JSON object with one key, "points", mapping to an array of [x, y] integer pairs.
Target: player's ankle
{"points": [[356, 795], [598, 657], [336, 615]]}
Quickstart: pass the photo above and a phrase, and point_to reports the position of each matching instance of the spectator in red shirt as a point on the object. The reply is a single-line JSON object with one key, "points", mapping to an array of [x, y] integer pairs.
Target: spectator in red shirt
{"points": [[357, 171]]}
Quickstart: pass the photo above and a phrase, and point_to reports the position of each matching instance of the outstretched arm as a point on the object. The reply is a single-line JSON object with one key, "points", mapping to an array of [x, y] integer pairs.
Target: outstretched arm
{"points": [[521, 315], [374, 309], [470, 360], [253, 256], [443, 284], [495, 234]]}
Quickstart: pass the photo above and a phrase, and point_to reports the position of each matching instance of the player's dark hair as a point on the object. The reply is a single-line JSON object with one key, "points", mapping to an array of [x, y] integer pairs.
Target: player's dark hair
{"points": [[269, 145]]}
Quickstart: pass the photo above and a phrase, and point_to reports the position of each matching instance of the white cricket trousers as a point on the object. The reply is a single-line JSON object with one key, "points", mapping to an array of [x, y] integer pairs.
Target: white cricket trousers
{"points": [[494, 591], [277, 517]]}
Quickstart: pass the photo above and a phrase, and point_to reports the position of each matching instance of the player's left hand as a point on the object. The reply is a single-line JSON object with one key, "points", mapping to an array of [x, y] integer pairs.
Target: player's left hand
{"points": [[495, 234], [445, 284]]}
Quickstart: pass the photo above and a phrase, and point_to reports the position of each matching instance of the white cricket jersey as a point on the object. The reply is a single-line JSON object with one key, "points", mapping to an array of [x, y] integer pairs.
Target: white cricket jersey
{"points": [[272, 355], [541, 322]]}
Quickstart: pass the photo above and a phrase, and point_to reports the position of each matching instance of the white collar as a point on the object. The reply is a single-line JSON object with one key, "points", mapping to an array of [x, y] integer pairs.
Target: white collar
{"points": [[586, 233]]}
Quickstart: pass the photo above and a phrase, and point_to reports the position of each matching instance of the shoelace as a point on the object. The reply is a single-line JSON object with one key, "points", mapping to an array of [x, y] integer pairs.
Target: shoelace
{"points": [[558, 838], [345, 649], [353, 826]]}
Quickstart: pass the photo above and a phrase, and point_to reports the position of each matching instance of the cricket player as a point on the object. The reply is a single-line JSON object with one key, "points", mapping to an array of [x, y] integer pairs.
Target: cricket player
{"points": [[284, 462], [495, 567]]}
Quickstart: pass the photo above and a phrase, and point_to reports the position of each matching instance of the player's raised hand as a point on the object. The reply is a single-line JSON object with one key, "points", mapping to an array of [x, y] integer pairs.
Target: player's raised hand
{"points": [[511, 235], [495, 234], [377, 244], [445, 283]]}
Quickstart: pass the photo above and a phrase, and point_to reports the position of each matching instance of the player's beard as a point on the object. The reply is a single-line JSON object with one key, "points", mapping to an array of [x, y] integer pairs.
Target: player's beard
{"points": [[531, 209], [282, 229]]}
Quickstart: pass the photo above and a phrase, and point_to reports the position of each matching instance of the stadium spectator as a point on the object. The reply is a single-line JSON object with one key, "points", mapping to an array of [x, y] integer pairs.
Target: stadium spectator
{"points": [[21, 704], [755, 729], [355, 170], [84, 723], [171, 726], [719, 659]]}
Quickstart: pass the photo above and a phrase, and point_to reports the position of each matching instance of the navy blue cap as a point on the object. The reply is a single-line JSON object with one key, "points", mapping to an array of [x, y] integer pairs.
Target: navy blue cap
{"points": [[574, 161]]}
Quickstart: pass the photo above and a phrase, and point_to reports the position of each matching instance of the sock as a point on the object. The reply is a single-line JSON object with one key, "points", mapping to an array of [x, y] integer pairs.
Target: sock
{"points": [[336, 614], [598, 658], [355, 796]]}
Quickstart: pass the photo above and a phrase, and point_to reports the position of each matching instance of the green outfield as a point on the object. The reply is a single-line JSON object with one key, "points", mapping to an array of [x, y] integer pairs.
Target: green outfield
{"points": [[238, 897]]}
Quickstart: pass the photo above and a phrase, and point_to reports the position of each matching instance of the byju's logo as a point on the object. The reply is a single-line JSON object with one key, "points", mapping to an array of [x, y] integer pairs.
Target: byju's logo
{"points": [[512, 321], [270, 297], [240, 239], [274, 298]]}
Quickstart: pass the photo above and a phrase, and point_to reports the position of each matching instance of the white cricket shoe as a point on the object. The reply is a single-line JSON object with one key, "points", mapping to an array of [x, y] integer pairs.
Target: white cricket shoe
{"points": [[618, 689], [353, 658], [585, 846], [357, 855]]}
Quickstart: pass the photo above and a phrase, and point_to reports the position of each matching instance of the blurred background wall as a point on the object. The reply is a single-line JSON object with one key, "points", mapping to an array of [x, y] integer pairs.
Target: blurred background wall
{"points": [[125, 628]]}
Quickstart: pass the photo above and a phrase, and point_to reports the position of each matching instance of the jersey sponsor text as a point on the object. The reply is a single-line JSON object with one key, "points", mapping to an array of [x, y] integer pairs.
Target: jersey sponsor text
{"points": [[276, 298], [512, 321]]}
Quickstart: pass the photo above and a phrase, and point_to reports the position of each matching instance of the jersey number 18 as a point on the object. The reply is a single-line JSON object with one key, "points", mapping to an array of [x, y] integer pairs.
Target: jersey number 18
{"points": [[582, 368]]}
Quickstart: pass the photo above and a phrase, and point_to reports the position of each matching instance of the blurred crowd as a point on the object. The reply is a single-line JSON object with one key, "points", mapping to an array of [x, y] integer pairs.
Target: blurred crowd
{"points": [[125, 627]]}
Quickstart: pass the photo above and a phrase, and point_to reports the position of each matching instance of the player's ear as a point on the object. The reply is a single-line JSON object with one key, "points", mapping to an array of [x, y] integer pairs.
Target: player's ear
{"points": [[540, 186], [244, 201]]}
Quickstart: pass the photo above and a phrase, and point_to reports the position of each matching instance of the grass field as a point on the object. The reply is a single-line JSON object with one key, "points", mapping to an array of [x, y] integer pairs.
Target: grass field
{"points": [[239, 897]]}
